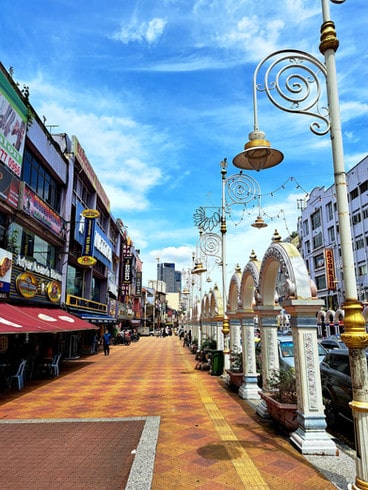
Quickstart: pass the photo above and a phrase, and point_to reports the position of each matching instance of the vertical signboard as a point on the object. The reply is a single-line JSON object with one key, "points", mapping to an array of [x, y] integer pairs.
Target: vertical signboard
{"points": [[330, 269], [13, 124], [138, 284], [89, 216], [127, 270]]}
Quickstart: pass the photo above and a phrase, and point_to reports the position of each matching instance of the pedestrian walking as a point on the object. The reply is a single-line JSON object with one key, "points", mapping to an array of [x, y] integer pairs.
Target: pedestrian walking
{"points": [[106, 339]]}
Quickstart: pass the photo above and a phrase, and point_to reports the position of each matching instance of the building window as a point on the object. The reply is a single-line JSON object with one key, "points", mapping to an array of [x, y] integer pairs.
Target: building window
{"points": [[316, 220], [80, 189], [305, 227], [362, 270], [307, 247], [359, 243], [319, 261], [321, 282], [331, 234], [365, 213], [354, 194], [363, 187], [74, 281], [329, 211], [356, 218], [31, 246], [38, 178], [317, 241]]}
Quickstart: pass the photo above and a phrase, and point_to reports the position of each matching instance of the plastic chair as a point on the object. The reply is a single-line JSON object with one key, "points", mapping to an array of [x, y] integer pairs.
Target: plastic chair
{"points": [[19, 375], [55, 365]]}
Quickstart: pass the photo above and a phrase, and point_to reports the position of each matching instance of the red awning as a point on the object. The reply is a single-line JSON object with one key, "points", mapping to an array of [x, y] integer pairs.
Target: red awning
{"points": [[34, 319]]}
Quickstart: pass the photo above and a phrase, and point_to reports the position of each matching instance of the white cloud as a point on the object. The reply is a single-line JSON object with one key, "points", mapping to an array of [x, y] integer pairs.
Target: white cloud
{"points": [[149, 32]]}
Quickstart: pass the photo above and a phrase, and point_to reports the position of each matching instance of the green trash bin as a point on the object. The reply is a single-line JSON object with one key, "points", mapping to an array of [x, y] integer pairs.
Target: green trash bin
{"points": [[217, 362]]}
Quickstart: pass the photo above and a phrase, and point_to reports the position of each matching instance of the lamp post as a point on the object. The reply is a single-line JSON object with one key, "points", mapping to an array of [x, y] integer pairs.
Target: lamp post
{"points": [[303, 95], [237, 189]]}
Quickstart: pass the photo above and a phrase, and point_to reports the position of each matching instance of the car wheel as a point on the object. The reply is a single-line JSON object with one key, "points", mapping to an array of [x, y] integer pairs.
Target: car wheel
{"points": [[330, 411]]}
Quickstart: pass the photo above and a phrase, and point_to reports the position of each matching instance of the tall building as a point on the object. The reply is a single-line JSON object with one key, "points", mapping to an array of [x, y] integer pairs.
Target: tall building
{"points": [[166, 272], [318, 229]]}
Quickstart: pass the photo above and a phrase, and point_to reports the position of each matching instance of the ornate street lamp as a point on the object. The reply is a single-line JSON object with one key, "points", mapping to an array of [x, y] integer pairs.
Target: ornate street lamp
{"points": [[237, 189], [301, 92]]}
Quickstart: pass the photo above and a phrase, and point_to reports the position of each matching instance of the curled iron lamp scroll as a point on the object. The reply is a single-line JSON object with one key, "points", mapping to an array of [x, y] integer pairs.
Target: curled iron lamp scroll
{"points": [[258, 154]]}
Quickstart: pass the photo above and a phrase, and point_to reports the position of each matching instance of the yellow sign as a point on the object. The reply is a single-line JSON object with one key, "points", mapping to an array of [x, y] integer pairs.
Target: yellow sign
{"points": [[26, 285], [53, 291], [86, 260], [90, 213]]}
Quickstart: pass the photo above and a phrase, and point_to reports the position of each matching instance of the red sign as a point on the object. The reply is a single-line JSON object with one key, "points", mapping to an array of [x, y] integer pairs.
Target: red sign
{"points": [[330, 269]]}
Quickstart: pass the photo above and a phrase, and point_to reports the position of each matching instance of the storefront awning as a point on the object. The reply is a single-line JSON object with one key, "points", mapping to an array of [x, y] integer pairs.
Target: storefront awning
{"points": [[98, 318], [33, 319]]}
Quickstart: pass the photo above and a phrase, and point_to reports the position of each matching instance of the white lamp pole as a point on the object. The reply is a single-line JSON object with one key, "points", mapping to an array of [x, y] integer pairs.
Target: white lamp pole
{"points": [[258, 155]]}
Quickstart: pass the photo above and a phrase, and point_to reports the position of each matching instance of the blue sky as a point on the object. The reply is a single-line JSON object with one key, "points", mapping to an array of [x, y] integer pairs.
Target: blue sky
{"points": [[158, 92]]}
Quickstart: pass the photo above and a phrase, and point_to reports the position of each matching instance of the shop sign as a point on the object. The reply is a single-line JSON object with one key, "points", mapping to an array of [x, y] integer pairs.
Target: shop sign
{"points": [[330, 269], [97, 241], [27, 285], [9, 187], [33, 266], [127, 270], [86, 260], [5, 270], [13, 126], [138, 285], [53, 291], [40, 211], [89, 216]]}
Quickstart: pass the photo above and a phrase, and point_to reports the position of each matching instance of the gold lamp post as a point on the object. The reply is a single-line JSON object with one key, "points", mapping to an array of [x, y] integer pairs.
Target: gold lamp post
{"points": [[304, 98]]}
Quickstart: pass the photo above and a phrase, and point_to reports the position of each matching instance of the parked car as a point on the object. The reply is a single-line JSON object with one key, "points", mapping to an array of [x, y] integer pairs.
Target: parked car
{"points": [[333, 342], [336, 385], [286, 352]]}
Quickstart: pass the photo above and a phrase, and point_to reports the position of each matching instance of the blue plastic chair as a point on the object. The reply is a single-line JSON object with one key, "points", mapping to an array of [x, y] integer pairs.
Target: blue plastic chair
{"points": [[55, 364], [19, 376]]}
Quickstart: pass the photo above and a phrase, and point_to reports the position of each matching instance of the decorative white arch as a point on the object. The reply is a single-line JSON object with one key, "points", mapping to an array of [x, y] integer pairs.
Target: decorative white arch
{"points": [[284, 282]]}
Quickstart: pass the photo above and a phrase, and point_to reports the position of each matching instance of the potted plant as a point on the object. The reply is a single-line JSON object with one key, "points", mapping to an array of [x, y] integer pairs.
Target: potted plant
{"points": [[235, 373], [281, 398]]}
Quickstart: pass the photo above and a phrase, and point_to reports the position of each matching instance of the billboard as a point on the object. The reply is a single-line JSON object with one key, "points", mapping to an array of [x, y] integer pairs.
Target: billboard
{"points": [[13, 125]]}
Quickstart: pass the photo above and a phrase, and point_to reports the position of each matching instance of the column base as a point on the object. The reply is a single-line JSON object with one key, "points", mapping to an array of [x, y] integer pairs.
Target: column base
{"points": [[262, 410], [315, 442], [249, 389]]}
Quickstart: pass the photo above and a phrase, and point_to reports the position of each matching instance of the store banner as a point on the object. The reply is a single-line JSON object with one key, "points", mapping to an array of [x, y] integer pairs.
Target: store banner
{"points": [[330, 269], [88, 258], [33, 205], [9, 187], [138, 284], [127, 270], [13, 125]]}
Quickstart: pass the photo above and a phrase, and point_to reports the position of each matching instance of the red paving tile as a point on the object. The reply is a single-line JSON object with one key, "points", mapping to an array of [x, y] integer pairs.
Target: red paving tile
{"points": [[208, 437]]}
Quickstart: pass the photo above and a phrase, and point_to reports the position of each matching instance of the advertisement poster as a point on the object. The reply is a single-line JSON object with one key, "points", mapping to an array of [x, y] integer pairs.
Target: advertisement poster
{"points": [[13, 125], [6, 263]]}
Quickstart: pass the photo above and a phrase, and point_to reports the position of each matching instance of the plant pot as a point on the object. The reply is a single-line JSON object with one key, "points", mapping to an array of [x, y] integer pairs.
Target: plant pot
{"points": [[284, 414], [235, 379]]}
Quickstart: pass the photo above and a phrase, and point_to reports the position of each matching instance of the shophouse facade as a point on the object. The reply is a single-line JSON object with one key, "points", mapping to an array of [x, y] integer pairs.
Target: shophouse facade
{"points": [[320, 245], [62, 253]]}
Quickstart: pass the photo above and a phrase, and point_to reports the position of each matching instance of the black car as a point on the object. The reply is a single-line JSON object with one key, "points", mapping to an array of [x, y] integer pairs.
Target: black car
{"points": [[333, 342], [336, 386]]}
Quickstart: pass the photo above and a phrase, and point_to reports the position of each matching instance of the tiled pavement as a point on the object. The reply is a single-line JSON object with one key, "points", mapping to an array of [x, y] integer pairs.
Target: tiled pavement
{"points": [[142, 418]]}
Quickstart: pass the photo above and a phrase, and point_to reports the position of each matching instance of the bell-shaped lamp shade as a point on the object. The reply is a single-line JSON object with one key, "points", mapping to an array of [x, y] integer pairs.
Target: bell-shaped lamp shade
{"points": [[258, 154], [198, 268], [259, 223]]}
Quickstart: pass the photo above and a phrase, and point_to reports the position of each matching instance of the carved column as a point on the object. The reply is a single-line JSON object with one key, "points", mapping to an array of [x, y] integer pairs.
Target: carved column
{"points": [[249, 388], [270, 357], [311, 436]]}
